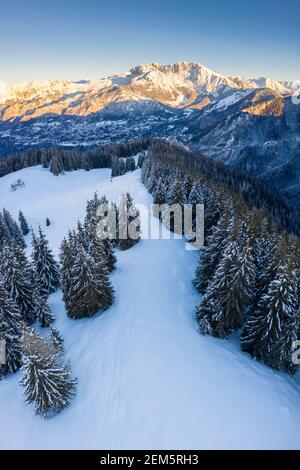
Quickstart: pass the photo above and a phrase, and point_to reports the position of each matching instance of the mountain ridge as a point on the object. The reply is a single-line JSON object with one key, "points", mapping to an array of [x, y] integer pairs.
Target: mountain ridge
{"points": [[179, 85]]}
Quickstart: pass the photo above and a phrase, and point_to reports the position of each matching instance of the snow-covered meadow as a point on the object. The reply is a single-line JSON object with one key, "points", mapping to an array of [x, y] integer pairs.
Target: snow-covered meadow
{"points": [[147, 378]]}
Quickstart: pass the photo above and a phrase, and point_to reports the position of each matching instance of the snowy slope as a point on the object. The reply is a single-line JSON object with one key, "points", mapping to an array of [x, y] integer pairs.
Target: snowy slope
{"points": [[147, 379]]}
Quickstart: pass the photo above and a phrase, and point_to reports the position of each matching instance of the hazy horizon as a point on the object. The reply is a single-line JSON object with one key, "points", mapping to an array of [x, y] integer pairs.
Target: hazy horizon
{"points": [[115, 72]]}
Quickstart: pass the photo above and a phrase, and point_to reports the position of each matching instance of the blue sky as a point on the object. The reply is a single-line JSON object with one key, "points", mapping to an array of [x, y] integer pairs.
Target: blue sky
{"points": [[90, 39]]}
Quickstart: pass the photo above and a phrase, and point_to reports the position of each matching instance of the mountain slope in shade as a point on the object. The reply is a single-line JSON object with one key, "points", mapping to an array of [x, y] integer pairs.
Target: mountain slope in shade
{"points": [[177, 85], [257, 133]]}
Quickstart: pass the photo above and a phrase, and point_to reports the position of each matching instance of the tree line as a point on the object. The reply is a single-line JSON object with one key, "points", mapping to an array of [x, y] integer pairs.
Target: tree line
{"points": [[60, 160], [248, 271]]}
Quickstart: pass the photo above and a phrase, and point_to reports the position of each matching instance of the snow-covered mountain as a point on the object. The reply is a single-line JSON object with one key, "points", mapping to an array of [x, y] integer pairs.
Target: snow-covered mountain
{"points": [[252, 124], [179, 85]]}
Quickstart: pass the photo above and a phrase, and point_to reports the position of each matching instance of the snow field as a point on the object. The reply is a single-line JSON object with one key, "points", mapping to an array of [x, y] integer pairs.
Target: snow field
{"points": [[147, 379]]}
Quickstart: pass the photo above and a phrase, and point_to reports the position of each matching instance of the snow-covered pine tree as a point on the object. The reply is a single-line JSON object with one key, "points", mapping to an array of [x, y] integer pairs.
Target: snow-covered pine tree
{"points": [[10, 309], [13, 231], [4, 233], [18, 283], [44, 315], [187, 184], [90, 290], [264, 326], [57, 340], [24, 263], [176, 196], [176, 193], [159, 192], [129, 223], [224, 306], [46, 379], [130, 164], [265, 251], [67, 256], [141, 160], [212, 254], [56, 165], [282, 350], [11, 340], [146, 170], [159, 197], [23, 224], [213, 208], [82, 237], [45, 266], [91, 208], [10, 331], [102, 252], [99, 247], [151, 178], [196, 194]]}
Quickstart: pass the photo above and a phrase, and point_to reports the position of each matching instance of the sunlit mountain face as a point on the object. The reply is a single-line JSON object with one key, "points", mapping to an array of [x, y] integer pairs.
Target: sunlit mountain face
{"points": [[180, 85], [251, 124]]}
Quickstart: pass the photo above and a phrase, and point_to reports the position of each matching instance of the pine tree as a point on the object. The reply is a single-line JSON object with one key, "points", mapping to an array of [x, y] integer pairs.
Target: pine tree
{"points": [[82, 236], [264, 326], [56, 165], [176, 196], [12, 348], [196, 194], [266, 247], [90, 291], [46, 379], [23, 224], [99, 246], [212, 210], [10, 331], [4, 233], [24, 263], [159, 193], [67, 257], [57, 340], [225, 304], [282, 350], [102, 252], [92, 207], [212, 254], [176, 193], [18, 282], [130, 164], [42, 309], [45, 266], [9, 309], [12, 229], [129, 223]]}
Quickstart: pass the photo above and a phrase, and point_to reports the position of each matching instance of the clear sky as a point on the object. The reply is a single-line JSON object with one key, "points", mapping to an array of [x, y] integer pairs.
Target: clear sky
{"points": [[90, 39]]}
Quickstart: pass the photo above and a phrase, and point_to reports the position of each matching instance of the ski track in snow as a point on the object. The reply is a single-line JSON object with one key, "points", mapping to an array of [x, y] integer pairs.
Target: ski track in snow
{"points": [[147, 379]]}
